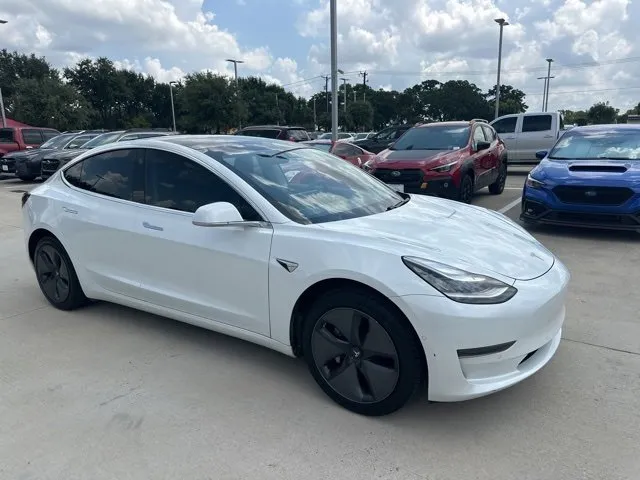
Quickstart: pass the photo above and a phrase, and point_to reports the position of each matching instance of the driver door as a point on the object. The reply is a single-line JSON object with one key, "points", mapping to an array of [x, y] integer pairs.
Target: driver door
{"points": [[219, 274]]}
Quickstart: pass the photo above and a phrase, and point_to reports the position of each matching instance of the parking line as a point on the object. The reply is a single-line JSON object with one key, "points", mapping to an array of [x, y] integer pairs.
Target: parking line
{"points": [[509, 206]]}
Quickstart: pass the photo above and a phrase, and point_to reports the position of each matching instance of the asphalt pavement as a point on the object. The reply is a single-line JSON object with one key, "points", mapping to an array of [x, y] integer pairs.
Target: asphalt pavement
{"points": [[111, 393]]}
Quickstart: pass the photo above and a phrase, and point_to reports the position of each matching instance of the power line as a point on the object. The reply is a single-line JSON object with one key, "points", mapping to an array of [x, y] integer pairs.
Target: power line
{"points": [[584, 91]]}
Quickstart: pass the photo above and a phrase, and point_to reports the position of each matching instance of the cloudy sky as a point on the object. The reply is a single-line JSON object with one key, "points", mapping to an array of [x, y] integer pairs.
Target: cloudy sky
{"points": [[595, 44]]}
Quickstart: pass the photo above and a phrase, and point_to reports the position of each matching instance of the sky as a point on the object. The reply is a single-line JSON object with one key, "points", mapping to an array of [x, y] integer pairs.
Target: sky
{"points": [[595, 44]]}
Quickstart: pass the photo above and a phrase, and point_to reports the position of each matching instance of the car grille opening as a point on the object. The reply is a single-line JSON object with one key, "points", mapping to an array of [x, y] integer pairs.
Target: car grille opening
{"points": [[478, 351], [587, 195], [595, 219], [50, 165], [533, 209], [528, 356], [598, 168], [409, 176]]}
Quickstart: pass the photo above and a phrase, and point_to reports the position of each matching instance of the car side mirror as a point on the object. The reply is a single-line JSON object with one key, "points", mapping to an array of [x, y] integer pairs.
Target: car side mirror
{"points": [[220, 214], [390, 144], [480, 145], [540, 154]]}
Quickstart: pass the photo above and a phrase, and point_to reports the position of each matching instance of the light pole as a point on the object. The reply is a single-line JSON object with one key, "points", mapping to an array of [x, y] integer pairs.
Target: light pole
{"points": [[235, 71], [546, 103], [334, 69], [344, 84], [173, 109], [4, 117], [502, 22]]}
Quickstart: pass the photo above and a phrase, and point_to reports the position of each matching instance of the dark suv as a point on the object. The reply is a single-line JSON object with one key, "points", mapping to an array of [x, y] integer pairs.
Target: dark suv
{"points": [[446, 159], [277, 132], [381, 140]]}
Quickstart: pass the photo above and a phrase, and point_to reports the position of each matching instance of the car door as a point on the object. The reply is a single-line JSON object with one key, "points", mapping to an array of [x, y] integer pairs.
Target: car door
{"points": [[505, 127], [481, 158], [218, 274], [32, 137], [493, 157], [536, 134], [100, 221]]}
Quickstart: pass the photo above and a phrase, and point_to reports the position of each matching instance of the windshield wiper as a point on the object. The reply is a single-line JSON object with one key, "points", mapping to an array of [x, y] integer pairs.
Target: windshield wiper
{"points": [[399, 204]]}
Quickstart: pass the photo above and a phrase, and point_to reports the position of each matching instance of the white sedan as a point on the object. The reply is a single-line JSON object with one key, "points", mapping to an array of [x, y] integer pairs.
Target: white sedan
{"points": [[299, 251]]}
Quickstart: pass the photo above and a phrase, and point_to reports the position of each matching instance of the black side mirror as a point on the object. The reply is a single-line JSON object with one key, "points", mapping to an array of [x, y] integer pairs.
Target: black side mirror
{"points": [[480, 145], [540, 154]]}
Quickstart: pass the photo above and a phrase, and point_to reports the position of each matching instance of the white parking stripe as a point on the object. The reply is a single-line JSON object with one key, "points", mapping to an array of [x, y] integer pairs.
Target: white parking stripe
{"points": [[509, 206]]}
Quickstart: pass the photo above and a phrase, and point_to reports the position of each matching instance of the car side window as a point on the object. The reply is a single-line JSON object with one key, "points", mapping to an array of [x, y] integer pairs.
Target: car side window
{"points": [[398, 133], [117, 174], [49, 134], [478, 135], [488, 133], [177, 183], [344, 149], [506, 125], [536, 123], [32, 136]]}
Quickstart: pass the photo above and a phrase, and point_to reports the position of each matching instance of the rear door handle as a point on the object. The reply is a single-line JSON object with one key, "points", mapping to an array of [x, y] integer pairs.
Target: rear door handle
{"points": [[548, 136], [68, 210], [152, 227]]}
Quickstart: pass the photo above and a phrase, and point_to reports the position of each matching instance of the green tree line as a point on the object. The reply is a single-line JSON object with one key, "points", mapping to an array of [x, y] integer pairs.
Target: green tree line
{"points": [[96, 94]]}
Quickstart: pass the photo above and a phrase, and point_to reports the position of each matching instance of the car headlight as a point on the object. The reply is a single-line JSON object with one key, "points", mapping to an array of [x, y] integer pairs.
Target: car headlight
{"points": [[459, 285], [444, 168], [533, 183]]}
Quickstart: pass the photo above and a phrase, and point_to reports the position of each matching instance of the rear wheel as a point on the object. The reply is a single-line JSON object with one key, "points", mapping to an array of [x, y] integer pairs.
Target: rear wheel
{"points": [[497, 187], [465, 192], [56, 276], [360, 353]]}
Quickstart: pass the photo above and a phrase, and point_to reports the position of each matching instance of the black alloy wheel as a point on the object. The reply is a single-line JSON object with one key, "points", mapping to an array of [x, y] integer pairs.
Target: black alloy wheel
{"points": [[361, 354], [497, 187], [465, 192], [56, 276]]}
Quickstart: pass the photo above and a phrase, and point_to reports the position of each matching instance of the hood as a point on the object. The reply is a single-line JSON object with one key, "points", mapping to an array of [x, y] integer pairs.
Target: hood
{"points": [[66, 154], [35, 154], [23, 153], [416, 158], [580, 171], [463, 236]]}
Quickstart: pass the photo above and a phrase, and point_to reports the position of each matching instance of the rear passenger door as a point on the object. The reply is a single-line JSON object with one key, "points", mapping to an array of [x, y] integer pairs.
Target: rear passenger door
{"points": [[494, 156], [32, 137], [536, 134], [506, 129]]}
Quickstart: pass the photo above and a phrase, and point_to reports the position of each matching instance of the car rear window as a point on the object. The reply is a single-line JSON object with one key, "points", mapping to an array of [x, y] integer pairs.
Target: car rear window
{"points": [[264, 133], [7, 135]]}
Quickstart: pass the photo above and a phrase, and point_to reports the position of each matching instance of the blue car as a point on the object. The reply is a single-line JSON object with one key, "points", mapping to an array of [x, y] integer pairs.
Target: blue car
{"points": [[590, 178]]}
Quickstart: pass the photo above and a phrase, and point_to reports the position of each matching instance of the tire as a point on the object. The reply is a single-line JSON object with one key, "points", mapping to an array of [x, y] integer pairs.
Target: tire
{"points": [[27, 178], [465, 192], [56, 276], [361, 381], [497, 187]]}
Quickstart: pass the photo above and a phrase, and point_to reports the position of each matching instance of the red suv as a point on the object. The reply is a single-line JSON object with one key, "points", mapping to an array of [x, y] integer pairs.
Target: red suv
{"points": [[446, 159]]}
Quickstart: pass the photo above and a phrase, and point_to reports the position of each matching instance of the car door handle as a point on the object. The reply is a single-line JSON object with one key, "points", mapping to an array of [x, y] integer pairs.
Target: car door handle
{"points": [[69, 210], [152, 227], [509, 138], [548, 136]]}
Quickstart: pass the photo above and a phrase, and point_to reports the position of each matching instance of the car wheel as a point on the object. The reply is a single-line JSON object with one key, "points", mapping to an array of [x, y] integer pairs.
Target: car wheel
{"points": [[27, 178], [497, 187], [360, 353], [465, 191], [56, 276]]}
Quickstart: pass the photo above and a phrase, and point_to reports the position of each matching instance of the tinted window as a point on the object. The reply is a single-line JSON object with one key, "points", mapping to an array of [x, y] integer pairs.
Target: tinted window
{"points": [[31, 137], [434, 137], [56, 142], [178, 183], [536, 123], [505, 125], [478, 135], [115, 174], [7, 135], [267, 133], [49, 134], [488, 133], [386, 134], [345, 149]]}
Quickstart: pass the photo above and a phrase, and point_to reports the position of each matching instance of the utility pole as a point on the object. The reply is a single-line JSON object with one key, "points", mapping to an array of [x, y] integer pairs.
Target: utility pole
{"points": [[326, 90], [173, 110], [344, 84], [235, 70], [315, 120], [546, 104], [333, 14], [502, 22], [4, 117], [278, 109], [544, 91], [364, 84]]}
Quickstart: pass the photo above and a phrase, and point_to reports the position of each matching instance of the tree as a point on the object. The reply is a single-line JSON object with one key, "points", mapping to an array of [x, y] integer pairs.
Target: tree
{"points": [[459, 100], [511, 100], [361, 114], [601, 113], [207, 104]]}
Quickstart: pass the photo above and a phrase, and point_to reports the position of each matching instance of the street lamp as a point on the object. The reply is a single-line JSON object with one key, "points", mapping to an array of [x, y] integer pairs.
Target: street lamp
{"points": [[173, 110], [502, 22], [4, 117], [333, 14], [546, 103]]}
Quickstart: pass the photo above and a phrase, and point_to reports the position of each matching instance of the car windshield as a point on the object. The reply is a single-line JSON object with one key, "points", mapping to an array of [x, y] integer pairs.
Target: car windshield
{"points": [[615, 144], [361, 136], [325, 147], [57, 142], [310, 186], [102, 139], [266, 133], [434, 137]]}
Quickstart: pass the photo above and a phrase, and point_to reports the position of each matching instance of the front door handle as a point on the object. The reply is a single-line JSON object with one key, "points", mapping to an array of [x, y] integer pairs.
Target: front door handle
{"points": [[548, 136], [69, 210], [152, 227]]}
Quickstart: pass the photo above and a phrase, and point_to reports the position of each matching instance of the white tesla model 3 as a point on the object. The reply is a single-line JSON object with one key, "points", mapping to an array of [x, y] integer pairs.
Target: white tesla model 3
{"points": [[299, 251]]}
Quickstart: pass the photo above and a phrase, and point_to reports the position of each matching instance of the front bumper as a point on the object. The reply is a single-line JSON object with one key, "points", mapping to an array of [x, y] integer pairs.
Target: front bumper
{"points": [[541, 207], [27, 168], [418, 183], [7, 165], [521, 336]]}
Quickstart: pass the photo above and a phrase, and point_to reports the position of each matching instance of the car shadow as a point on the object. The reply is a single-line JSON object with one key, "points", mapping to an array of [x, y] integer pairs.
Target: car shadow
{"points": [[592, 234]]}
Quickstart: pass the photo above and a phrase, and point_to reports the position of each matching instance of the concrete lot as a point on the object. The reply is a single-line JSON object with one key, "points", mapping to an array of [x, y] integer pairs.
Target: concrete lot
{"points": [[111, 393]]}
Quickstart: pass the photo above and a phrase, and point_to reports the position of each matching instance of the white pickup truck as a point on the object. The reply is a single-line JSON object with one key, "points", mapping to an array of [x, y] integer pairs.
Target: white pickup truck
{"points": [[526, 133]]}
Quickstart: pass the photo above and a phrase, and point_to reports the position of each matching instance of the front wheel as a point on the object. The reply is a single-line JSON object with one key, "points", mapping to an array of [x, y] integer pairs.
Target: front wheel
{"points": [[497, 187], [360, 353], [465, 192]]}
